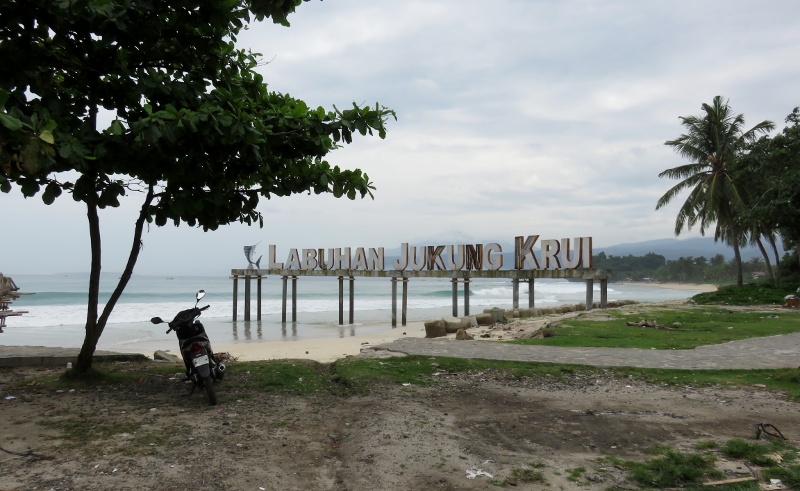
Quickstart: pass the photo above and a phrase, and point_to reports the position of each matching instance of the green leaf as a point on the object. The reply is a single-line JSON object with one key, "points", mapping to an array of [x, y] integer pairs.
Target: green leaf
{"points": [[47, 137], [12, 124], [116, 128], [51, 192], [29, 187]]}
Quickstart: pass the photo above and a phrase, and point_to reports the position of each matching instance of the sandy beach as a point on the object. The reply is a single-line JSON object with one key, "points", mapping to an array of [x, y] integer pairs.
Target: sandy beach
{"points": [[323, 350]]}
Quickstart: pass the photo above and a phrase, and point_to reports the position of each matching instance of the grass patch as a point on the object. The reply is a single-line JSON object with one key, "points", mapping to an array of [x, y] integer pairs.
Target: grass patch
{"points": [[789, 476], [85, 428], [423, 370], [357, 376], [690, 470], [575, 474], [299, 377], [527, 475], [698, 327], [674, 469], [758, 453], [751, 294]]}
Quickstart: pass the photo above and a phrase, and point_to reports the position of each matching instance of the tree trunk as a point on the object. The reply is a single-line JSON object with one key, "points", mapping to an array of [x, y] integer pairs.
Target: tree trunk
{"points": [[766, 259], [84, 362], [777, 258], [797, 248], [95, 325], [737, 256]]}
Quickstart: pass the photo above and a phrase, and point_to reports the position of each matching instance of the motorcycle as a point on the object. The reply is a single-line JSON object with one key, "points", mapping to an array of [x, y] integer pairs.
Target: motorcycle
{"points": [[201, 366]]}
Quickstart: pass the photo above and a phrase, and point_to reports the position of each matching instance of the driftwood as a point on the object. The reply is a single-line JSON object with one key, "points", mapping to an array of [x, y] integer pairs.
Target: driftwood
{"points": [[730, 481], [654, 325]]}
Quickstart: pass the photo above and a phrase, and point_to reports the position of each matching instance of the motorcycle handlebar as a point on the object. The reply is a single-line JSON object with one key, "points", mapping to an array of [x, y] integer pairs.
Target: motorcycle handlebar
{"points": [[204, 308]]}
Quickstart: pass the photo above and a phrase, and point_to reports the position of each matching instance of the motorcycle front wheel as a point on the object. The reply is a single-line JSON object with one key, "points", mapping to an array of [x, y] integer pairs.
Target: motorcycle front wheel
{"points": [[208, 383]]}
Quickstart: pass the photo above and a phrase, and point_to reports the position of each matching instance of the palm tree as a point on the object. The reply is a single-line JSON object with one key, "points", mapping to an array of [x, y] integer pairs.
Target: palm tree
{"points": [[712, 143]]}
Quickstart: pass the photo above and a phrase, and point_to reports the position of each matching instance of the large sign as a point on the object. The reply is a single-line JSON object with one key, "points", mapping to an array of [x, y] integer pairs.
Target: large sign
{"points": [[553, 254]]}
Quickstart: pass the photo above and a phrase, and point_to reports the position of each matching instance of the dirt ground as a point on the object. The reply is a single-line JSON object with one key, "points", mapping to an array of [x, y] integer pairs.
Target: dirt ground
{"points": [[474, 431]]}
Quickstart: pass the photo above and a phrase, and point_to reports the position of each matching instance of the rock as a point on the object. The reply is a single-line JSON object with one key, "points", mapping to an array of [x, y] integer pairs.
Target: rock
{"points": [[163, 355], [498, 315], [473, 321], [462, 335], [484, 319], [435, 329], [453, 324], [527, 312]]}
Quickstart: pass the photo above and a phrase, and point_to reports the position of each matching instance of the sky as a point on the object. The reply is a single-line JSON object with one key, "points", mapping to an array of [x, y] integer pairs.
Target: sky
{"points": [[514, 118]]}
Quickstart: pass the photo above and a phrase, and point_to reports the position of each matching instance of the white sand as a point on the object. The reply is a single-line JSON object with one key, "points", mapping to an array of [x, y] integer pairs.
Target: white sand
{"points": [[322, 350]]}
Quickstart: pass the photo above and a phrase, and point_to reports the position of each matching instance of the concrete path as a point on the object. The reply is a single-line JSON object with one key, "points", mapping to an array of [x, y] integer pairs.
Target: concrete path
{"points": [[771, 352], [27, 356]]}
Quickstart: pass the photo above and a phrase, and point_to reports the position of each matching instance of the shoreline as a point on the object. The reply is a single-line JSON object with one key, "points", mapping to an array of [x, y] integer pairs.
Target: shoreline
{"points": [[705, 287], [249, 341]]}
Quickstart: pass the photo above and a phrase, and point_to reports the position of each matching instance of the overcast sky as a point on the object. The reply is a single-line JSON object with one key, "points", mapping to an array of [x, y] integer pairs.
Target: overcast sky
{"points": [[515, 117]]}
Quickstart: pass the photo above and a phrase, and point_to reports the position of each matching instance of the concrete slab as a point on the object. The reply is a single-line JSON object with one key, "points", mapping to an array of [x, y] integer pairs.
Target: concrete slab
{"points": [[28, 356]]}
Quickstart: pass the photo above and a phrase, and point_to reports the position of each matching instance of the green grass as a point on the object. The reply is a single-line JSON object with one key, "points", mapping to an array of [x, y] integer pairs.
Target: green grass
{"points": [[752, 294], [575, 474], [690, 470], [85, 428], [358, 376], [698, 327], [760, 453], [789, 475], [299, 377], [674, 469], [527, 475]]}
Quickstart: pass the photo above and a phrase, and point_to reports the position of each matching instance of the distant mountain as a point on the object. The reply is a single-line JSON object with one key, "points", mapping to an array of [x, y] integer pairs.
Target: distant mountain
{"points": [[673, 249]]}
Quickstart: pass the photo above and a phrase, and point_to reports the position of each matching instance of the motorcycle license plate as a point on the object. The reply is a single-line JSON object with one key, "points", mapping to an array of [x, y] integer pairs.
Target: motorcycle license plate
{"points": [[201, 360]]}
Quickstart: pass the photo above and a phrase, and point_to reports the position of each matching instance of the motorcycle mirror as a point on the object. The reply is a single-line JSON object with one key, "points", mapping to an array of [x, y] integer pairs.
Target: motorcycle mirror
{"points": [[200, 294], [156, 320]]}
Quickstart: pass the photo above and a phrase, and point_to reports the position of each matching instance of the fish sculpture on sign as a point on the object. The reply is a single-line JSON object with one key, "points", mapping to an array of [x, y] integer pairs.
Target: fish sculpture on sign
{"points": [[249, 253]]}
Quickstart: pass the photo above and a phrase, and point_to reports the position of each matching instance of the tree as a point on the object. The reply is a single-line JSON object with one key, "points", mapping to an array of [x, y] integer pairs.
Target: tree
{"points": [[193, 128], [712, 143], [771, 170]]}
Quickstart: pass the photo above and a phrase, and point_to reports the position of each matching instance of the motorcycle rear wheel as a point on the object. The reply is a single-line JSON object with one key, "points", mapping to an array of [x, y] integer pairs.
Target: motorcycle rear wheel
{"points": [[208, 383]]}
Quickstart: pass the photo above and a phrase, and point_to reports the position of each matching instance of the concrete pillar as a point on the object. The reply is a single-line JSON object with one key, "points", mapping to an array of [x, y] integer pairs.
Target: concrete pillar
{"points": [[235, 296], [589, 294], [283, 299], [531, 293], [466, 296], [258, 300], [294, 298], [341, 300], [352, 299], [515, 289], [454, 281], [405, 300], [247, 279], [603, 293], [394, 301]]}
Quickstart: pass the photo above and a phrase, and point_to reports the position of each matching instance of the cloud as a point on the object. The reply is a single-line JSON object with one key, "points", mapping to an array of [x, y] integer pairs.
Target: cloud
{"points": [[515, 117]]}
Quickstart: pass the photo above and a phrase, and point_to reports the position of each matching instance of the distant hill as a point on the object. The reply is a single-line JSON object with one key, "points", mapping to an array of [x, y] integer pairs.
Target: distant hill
{"points": [[673, 249]]}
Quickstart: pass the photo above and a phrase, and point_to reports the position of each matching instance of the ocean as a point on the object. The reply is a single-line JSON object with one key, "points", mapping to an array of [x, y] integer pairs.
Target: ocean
{"points": [[57, 311]]}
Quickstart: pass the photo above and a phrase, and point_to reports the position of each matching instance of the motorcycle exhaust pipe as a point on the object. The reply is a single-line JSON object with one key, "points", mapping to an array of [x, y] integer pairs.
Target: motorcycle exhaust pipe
{"points": [[220, 367]]}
